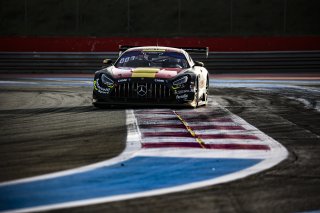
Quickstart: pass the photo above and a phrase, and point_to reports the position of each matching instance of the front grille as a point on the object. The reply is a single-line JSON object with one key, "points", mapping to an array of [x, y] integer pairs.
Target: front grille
{"points": [[142, 91]]}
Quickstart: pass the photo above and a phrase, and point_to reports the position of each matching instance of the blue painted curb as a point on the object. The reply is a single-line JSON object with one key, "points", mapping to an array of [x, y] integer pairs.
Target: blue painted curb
{"points": [[138, 174]]}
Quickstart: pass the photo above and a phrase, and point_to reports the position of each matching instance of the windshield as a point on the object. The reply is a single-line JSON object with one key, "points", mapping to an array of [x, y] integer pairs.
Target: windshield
{"points": [[161, 59]]}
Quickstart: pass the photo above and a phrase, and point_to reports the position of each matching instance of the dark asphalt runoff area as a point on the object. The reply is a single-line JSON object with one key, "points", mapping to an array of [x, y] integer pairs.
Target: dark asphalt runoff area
{"points": [[48, 129]]}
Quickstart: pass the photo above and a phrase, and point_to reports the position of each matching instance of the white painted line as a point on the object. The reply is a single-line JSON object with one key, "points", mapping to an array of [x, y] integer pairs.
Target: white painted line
{"points": [[200, 132], [156, 116], [212, 123], [158, 122], [206, 153], [166, 139], [234, 141]]}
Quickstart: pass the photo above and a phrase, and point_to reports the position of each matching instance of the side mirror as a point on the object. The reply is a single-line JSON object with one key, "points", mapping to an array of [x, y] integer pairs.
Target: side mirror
{"points": [[199, 64], [107, 61]]}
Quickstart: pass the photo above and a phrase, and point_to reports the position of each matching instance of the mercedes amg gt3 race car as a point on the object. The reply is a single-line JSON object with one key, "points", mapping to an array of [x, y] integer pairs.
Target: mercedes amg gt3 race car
{"points": [[152, 75]]}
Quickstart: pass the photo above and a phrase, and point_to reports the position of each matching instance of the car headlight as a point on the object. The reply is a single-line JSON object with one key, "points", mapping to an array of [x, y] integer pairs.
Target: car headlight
{"points": [[106, 80], [180, 82]]}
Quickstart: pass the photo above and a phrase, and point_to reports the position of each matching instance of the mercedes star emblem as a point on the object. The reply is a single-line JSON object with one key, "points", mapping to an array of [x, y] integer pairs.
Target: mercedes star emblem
{"points": [[142, 90]]}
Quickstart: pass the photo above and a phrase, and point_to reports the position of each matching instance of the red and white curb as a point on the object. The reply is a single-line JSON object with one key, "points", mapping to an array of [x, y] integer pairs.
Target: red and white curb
{"points": [[201, 132]]}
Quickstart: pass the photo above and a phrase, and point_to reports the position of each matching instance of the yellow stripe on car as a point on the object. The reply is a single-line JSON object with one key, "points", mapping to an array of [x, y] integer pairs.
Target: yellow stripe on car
{"points": [[144, 72], [95, 85]]}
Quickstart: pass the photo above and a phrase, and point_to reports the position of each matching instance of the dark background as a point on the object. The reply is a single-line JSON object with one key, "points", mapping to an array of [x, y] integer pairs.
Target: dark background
{"points": [[159, 18]]}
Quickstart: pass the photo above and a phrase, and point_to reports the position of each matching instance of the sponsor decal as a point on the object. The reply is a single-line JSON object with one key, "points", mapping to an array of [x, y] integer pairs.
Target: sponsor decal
{"points": [[202, 83], [184, 96], [178, 92], [122, 80], [159, 80], [125, 60], [154, 50], [99, 88]]}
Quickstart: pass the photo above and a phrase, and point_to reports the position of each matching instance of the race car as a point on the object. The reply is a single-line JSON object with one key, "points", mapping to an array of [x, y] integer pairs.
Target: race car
{"points": [[152, 75]]}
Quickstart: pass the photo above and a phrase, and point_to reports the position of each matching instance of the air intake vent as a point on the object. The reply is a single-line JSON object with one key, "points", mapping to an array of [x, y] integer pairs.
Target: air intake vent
{"points": [[142, 91]]}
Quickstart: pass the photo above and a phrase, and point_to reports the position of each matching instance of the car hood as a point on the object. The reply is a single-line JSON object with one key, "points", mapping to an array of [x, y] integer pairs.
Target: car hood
{"points": [[145, 72]]}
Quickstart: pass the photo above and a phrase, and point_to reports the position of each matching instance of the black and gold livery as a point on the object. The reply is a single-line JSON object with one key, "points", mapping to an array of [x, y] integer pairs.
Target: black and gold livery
{"points": [[152, 75]]}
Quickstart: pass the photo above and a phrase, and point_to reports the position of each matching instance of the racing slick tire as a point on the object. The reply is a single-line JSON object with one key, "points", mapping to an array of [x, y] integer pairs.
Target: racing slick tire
{"points": [[205, 95], [197, 94]]}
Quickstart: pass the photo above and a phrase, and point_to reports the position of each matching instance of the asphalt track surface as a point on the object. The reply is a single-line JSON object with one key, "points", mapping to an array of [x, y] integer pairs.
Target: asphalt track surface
{"points": [[53, 128]]}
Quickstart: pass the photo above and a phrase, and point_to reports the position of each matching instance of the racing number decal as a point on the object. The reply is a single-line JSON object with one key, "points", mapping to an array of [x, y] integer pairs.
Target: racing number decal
{"points": [[125, 60]]}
